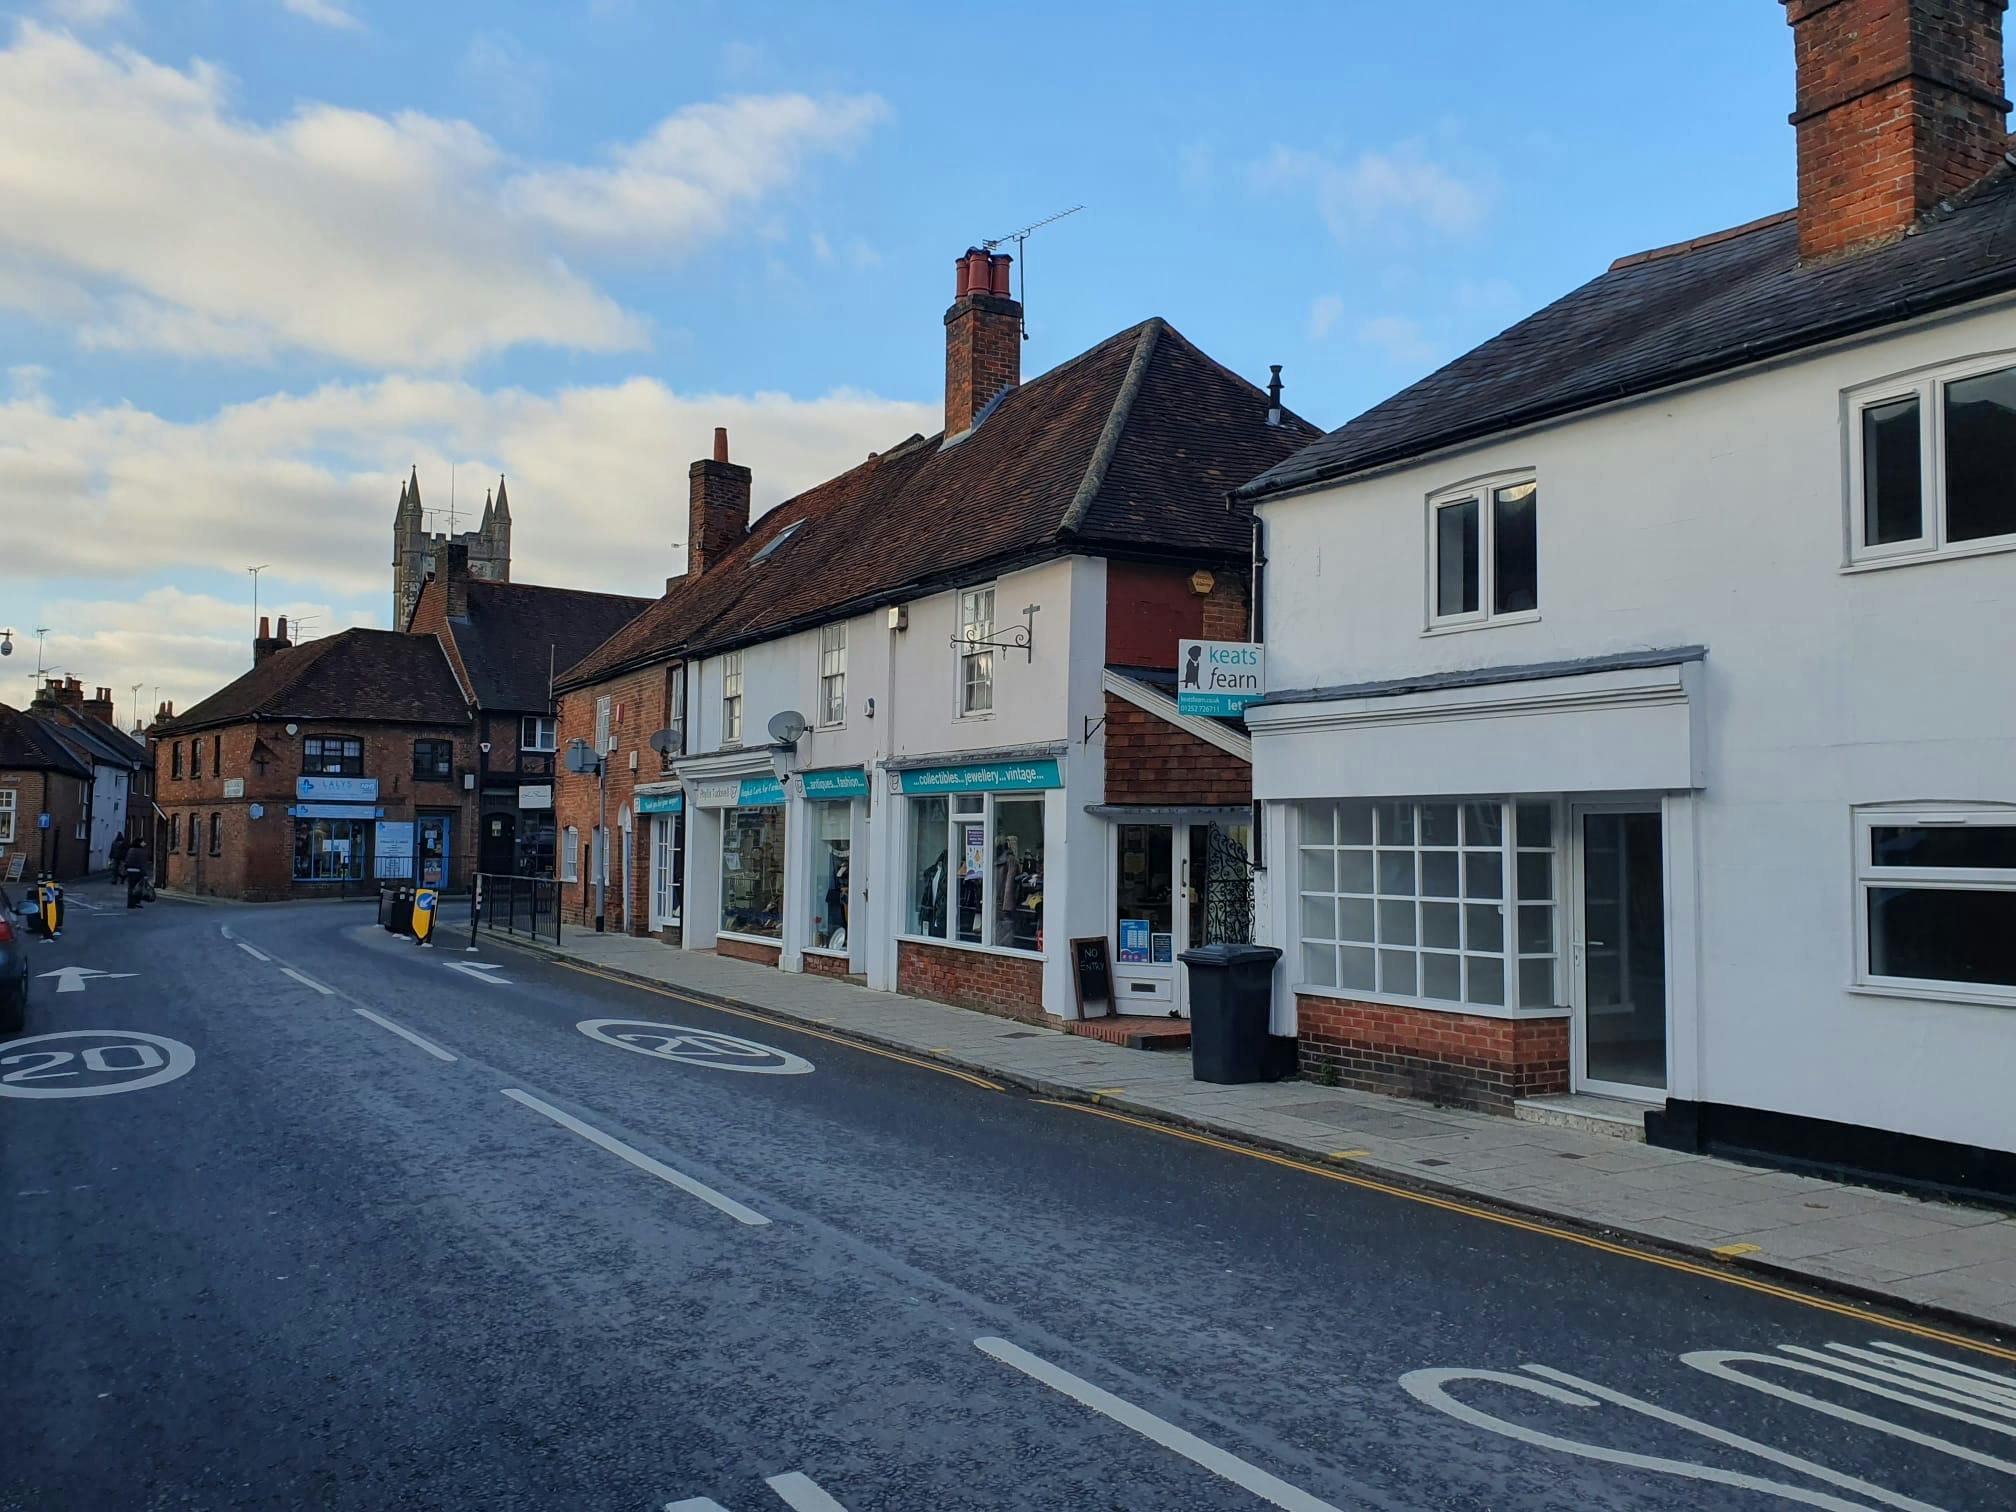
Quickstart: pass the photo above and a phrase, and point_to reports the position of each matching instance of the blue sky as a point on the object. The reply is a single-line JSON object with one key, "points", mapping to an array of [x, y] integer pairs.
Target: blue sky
{"points": [[266, 254]]}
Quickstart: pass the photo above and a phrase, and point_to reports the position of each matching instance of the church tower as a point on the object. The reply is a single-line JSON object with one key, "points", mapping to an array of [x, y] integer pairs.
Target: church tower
{"points": [[416, 549]]}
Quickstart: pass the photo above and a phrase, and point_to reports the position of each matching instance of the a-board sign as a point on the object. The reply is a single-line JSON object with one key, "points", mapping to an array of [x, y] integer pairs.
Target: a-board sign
{"points": [[1092, 977]]}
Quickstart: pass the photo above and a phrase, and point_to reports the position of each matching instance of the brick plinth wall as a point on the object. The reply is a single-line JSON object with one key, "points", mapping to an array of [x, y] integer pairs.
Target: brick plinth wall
{"points": [[1150, 761], [743, 950], [672, 935], [1003, 985], [826, 965], [1457, 1059]]}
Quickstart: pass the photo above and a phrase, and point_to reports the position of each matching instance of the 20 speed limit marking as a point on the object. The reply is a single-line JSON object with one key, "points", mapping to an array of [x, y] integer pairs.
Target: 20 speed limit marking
{"points": [[90, 1063], [694, 1047]]}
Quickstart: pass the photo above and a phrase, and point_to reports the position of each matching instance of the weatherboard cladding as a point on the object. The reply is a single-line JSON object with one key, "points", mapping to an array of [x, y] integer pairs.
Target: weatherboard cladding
{"points": [[356, 674], [1160, 453], [1683, 313]]}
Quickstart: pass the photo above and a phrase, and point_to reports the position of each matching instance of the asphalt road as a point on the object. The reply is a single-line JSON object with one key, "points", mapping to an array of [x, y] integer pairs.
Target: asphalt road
{"points": [[371, 1232]]}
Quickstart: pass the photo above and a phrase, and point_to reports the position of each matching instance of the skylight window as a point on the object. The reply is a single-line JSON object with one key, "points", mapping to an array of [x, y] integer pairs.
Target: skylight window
{"points": [[770, 546]]}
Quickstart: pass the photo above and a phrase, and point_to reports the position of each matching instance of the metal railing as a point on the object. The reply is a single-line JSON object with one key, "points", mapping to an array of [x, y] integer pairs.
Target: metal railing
{"points": [[517, 906]]}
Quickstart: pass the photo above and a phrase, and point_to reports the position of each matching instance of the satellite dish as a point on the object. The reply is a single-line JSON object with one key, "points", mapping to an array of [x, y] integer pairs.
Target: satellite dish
{"points": [[665, 742], [293, 729], [787, 726]]}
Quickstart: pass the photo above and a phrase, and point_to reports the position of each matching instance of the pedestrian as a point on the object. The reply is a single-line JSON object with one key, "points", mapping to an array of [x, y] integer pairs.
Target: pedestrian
{"points": [[118, 855], [138, 866]]}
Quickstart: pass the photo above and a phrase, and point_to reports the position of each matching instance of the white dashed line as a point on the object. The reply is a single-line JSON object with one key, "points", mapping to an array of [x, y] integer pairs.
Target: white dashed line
{"points": [[406, 1034], [802, 1494], [642, 1161], [1209, 1456], [252, 951], [308, 981]]}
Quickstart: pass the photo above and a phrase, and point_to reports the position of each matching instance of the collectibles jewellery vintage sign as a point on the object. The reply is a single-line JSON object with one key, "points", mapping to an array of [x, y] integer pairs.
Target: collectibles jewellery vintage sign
{"points": [[1219, 677], [993, 777]]}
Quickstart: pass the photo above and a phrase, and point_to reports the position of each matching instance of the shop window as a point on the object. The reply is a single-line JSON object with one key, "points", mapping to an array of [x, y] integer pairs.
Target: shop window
{"points": [[1439, 903], [976, 870], [1932, 462], [833, 674], [752, 871], [976, 661], [433, 760], [216, 834], [332, 756], [329, 850], [538, 732], [1938, 900], [667, 833], [731, 699], [832, 861], [1483, 549]]}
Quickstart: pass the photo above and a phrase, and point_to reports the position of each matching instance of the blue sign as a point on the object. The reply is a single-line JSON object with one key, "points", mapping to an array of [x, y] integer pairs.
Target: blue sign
{"points": [[1219, 677], [42, 820], [759, 792], [835, 783], [1134, 942], [334, 811], [337, 789], [660, 803], [994, 777]]}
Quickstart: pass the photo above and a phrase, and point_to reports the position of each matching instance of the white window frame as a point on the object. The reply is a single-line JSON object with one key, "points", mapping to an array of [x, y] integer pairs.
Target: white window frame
{"points": [[1508, 903], [972, 628], [988, 905], [10, 805], [604, 741], [545, 733], [1868, 875], [675, 708], [1928, 387], [570, 854], [1483, 491], [833, 675], [731, 699], [665, 875]]}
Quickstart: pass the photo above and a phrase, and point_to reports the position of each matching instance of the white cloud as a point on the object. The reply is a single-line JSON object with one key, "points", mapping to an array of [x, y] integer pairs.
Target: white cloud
{"points": [[146, 215], [682, 182], [1402, 340], [1324, 313], [88, 12], [510, 77], [1380, 193], [332, 13]]}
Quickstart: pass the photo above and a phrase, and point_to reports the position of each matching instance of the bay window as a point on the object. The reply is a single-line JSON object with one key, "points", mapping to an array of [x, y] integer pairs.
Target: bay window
{"points": [[752, 871], [1484, 553], [1439, 903], [1936, 904], [1932, 463], [976, 870]]}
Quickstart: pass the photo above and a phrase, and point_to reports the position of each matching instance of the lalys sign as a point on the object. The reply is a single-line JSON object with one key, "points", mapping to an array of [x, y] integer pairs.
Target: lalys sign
{"points": [[1218, 677]]}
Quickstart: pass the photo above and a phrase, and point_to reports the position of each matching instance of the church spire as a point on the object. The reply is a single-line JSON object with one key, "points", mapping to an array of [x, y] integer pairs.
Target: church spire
{"points": [[503, 502], [484, 528], [413, 489]]}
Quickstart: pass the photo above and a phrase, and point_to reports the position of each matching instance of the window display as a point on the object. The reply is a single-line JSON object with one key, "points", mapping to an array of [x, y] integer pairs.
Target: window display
{"points": [[325, 850], [976, 869], [752, 871], [832, 841]]}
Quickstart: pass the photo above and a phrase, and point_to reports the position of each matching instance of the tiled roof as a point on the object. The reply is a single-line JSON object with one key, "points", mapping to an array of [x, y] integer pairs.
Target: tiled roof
{"points": [[112, 737], [1129, 448], [356, 674], [518, 634], [1681, 313], [28, 744]]}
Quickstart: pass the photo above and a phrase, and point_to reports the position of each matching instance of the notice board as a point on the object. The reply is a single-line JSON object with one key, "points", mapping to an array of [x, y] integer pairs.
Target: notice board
{"points": [[1092, 977]]}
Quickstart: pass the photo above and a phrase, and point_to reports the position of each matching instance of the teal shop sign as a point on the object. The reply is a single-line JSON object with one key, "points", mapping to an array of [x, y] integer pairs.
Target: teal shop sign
{"points": [[759, 792], [834, 783], [660, 803], [993, 777], [1219, 677]]}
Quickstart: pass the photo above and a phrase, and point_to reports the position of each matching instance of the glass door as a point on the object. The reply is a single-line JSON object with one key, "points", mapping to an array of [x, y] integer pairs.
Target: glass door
{"points": [[1620, 948], [1148, 909], [434, 830]]}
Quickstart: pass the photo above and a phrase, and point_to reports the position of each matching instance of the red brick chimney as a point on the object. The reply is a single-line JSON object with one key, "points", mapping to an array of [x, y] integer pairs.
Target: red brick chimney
{"points": [[265, 643], [1900, 106], [454, 573], [100, 707], [717, 508], [983, 339]]}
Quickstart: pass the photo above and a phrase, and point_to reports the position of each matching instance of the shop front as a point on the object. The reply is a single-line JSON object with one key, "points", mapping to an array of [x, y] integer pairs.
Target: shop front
{"points": [[337, 827], [1178, 878], [972, 926], [834, 815], [663, 810]]}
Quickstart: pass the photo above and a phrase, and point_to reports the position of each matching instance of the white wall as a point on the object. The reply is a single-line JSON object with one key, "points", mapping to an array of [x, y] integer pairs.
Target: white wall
{"points": [[108, 812], [1717, 516]]}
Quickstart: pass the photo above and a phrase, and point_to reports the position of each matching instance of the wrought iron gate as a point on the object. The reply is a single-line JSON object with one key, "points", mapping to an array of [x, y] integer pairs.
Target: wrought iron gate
{"points": [[1228, 890]]}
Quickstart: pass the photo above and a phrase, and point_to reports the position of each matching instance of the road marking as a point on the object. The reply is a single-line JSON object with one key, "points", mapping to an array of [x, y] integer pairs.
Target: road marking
{"points": [[252, 950], [1349, 1154], [642, 1161], [1218, 1461], [73, 978], [1731, 1251], [163, 1060], [480, 971], [802, 1494], [793, 1025], [307, 981], [695, 1047], [404, 1033], [1862, 1315]]}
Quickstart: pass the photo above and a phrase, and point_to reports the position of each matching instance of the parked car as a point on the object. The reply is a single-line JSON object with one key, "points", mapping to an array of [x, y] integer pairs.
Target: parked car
{"points": [[13, 967]]}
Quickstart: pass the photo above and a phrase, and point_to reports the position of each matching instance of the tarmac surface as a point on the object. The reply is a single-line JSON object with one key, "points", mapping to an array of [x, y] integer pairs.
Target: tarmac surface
{"points": [[317, 1218]]}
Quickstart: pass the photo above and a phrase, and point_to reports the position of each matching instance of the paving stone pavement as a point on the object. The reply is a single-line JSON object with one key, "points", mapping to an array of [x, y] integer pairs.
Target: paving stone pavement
{"points": [[1941, 1256]]}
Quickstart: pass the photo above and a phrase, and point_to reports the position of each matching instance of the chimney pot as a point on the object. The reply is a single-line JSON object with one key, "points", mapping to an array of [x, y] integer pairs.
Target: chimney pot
{"points": [[720, 443], [283, 629], [265, 628]]}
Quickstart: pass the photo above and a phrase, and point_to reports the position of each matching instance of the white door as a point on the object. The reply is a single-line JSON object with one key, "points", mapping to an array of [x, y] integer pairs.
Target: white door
{"points": [[664, 870], [1620, 958], [1154, 899]]}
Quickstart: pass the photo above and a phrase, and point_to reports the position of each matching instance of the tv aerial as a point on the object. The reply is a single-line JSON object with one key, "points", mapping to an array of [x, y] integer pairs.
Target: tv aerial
{"points": [[1021, 260]]}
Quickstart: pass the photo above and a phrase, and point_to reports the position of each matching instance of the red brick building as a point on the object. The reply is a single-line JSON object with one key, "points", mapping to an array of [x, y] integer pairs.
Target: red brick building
{"points": [[40, 775], [326, 768]]}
